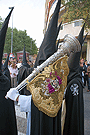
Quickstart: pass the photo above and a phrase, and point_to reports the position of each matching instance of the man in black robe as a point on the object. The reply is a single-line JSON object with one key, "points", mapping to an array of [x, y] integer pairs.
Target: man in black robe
{"points": [[74, 120], [41, 124], [23, 73], [5, 69], [7, 110]]}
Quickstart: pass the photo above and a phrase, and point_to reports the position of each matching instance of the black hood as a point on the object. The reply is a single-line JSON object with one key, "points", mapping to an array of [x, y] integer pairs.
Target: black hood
{"points": [[80, 37], [4, 80], [48, 46], [3, 35], [58, 29], [24, 62], [5, 69]]}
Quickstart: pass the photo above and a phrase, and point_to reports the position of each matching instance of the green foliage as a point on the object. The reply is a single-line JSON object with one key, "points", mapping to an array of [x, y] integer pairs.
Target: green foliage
{"points": [[77, 9], [1, 22], [20, 38]]}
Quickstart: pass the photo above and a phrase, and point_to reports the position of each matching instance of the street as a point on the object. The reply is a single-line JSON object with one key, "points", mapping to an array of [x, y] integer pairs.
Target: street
{"points": [[86, 111], [22, 122]]}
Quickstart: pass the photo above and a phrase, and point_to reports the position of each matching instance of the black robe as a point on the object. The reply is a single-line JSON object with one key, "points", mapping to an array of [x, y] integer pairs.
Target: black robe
{"points": [[6, 72], [41, 124], [74, 121], [22, 74], [7, 111]]}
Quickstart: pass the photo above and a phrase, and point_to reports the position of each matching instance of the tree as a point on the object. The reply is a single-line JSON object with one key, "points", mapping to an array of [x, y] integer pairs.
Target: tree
{"points": [[20, 38], [1, 22], [77, 9]]}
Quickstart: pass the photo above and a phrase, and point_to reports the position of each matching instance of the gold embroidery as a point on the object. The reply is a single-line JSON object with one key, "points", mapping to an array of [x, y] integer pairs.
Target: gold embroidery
{"points": [[47, 102]]}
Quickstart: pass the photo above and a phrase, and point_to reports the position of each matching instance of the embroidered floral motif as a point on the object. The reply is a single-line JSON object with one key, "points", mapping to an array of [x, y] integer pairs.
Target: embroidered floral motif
{"points": [[54, 82], [74, 89]]}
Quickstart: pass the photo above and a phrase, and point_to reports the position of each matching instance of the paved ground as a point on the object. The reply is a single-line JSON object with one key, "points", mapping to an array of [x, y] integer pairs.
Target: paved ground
{"points": [[22, 121], [86, 111]]}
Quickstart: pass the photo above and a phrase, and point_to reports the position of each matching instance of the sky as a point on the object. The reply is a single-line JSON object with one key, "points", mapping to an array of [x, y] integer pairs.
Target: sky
{"points": [[27, 15]]}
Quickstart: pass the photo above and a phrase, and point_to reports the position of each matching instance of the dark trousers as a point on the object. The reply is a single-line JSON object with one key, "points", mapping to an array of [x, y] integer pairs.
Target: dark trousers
{"points": [[85, 80], [14, 82], [89, 83]]}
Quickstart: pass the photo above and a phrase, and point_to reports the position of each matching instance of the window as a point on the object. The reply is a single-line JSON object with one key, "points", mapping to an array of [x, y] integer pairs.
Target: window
{"points": [[78, 23]]}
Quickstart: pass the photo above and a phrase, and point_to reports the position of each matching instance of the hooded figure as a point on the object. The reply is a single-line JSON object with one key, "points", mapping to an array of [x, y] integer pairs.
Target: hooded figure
{"points": [[38, 123], [7, 110], [5, 69], [48, 46], [23, 73], [74, 120], [41, 124], [24, 62]]}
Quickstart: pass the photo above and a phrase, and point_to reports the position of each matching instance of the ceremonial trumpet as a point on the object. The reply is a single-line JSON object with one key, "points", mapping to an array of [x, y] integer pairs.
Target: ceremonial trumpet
{"points": [[70, 44]]}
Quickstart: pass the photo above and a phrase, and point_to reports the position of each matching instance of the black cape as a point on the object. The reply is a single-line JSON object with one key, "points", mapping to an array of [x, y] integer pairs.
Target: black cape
{"points": [[22, 74], [74, 121], [7, 111], [41, 124], [5, 69]]}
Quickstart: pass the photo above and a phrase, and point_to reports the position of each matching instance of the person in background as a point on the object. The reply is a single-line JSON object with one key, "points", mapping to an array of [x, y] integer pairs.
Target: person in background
{"points": [[85, 74], [19, 64], [13, 73], [11, 59], [3, 63], [82, 61], [81, 69], [9, 64], [8, 124], [14, 59], [88, 71], [30, 63]]}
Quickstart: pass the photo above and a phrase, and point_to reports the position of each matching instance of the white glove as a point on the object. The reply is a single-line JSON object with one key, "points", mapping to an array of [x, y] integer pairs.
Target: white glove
{"points": [[12, 94]]}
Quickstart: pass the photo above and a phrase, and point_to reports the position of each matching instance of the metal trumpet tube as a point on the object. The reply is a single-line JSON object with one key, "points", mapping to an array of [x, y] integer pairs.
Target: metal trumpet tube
{"points": [[70, 44]]}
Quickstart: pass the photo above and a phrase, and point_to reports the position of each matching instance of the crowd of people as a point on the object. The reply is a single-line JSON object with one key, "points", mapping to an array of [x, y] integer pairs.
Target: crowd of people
{"points": [[85, 72], [13, 66], [38, 122]]}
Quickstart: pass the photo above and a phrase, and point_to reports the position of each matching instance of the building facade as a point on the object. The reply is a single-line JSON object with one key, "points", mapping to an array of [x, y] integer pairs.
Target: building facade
{"points": [[72, 28]]}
